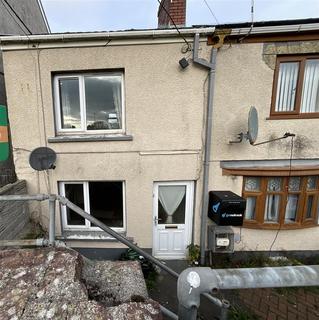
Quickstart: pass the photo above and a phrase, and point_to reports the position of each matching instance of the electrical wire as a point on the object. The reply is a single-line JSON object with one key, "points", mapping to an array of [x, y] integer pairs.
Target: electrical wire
{"points": [[170, 17], [287, 187], [6, 4], [211, 11]]}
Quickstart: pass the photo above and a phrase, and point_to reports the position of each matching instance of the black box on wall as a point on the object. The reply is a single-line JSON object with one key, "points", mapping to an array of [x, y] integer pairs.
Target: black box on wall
{"points": [[226, 208]]}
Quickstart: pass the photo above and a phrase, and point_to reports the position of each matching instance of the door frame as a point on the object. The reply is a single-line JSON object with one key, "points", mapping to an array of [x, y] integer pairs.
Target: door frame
{"points": [[189, 211]]}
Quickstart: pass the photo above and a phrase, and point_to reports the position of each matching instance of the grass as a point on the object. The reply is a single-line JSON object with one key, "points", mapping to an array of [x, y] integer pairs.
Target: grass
{"points": [[35, 232]]}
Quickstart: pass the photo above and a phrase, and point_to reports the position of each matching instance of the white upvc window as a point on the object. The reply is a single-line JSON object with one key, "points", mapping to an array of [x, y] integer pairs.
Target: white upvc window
{"points": [[89, 103], [104, 200]]}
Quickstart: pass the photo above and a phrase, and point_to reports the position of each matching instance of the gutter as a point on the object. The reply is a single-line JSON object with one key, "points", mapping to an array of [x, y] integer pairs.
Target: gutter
{"points": [[211, 66], [107, 35], [276, 29]]}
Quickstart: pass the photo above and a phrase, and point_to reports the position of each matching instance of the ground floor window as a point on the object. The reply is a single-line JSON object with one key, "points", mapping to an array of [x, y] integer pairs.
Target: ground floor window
{"points": [[102, 199], [290, 202]]}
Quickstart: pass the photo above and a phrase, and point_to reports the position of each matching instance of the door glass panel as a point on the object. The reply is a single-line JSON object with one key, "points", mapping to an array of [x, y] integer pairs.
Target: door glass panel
{"points": [[291, 208], [70, 103], [250, 208], [171, 204], [272, 208], [74, 192]]}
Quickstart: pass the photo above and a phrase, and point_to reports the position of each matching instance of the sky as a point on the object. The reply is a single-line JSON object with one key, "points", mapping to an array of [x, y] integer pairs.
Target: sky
{"points": [[101, 15]]}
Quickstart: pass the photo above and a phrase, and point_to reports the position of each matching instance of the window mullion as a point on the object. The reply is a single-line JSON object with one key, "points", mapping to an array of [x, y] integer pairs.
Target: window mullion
{"points": [[261, 202], [82, 103], [302, 64], [302, 206]]}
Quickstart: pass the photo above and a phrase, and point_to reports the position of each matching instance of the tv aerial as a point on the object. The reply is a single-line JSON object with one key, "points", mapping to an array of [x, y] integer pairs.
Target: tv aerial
{"points": [[252, 132], [42, 158]]}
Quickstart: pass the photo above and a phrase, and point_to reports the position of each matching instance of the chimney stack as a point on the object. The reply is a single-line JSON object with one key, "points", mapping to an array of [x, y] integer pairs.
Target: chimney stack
{"points": [[176, 9]]}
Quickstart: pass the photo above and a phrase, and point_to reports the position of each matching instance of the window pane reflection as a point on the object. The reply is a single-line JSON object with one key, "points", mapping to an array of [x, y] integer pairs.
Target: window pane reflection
{"points": [[291, 208], [70, 103], [103, 97]]}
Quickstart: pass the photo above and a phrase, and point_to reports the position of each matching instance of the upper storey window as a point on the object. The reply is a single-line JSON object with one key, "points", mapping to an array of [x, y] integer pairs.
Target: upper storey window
{"points": [[296, 87], [89, 103]]}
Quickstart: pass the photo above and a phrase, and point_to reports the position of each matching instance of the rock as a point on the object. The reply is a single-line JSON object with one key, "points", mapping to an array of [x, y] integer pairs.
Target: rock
{"points": [[50, 283]]}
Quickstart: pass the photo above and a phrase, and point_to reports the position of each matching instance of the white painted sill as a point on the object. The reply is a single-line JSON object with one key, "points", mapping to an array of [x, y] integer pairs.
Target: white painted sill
{"points": [[90, 138]]}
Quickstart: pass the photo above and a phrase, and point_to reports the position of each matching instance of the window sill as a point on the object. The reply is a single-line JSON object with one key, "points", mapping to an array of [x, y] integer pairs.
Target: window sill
{"points": [[91, 236], [293, 116], [90, 138], [276, 226]]}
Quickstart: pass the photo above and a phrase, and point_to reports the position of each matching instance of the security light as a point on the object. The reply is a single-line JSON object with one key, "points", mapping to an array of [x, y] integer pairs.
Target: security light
{"points": [[183, 63]]}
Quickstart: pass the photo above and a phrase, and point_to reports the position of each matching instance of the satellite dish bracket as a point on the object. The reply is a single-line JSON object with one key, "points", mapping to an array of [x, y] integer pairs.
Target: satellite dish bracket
{"points": [[286, 135]]}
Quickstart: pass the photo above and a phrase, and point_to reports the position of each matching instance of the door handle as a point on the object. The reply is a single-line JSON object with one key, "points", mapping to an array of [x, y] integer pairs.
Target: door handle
{"points": [[156, 220]]}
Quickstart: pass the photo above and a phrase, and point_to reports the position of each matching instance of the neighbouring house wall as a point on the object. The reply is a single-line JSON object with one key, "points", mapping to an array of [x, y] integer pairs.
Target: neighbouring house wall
{"points": [[30, 13], [244, 78], [14, 215], [163, 110]]}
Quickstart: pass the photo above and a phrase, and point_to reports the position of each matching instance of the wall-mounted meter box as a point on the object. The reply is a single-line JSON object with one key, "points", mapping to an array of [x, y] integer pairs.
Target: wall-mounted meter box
{"points": [[226, 208]]}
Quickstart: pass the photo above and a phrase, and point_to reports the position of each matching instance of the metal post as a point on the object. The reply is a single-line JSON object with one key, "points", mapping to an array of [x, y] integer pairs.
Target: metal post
{"points": [[24, 197], [52, 202]]}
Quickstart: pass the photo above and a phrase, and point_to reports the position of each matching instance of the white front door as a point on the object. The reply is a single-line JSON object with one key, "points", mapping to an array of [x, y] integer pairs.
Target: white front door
{"points": [[172, 218]]}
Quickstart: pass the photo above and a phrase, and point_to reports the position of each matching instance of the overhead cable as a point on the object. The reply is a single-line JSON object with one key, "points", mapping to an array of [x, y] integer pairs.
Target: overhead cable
{"points": [[7, 5], [211, 11], [170, 17]]}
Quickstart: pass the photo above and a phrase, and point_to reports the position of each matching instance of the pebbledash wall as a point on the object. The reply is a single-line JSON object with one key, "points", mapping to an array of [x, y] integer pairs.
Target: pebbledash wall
{"points": [[244, 78], [164, 113]]}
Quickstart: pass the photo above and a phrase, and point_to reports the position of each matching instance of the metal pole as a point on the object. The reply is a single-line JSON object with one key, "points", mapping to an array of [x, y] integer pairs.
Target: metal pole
{"points": [[82, 213], [52, 202], [24, 197], [23, 243], [193, 282], [168, 313]]}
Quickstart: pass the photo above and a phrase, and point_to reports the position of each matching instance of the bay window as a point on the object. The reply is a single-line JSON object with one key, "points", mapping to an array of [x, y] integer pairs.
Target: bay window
{"points": [[290, 202]]}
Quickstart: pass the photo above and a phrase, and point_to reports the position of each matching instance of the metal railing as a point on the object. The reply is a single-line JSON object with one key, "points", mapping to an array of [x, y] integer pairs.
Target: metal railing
{"points": [[192, 282], [223, 304]]}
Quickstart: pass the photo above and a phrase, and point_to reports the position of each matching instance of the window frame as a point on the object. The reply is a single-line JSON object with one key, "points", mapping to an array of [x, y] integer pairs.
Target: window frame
{"points": [[301, 59], [300, 222], [86, 195], [80, 77]]}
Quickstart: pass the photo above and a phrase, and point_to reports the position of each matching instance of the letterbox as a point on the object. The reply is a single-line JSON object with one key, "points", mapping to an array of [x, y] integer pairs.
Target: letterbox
{"points": [[226, 208]]}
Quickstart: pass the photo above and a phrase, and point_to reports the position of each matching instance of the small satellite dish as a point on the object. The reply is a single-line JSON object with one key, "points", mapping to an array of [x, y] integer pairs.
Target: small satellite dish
{"points": [[252, 132], [42, 158]]}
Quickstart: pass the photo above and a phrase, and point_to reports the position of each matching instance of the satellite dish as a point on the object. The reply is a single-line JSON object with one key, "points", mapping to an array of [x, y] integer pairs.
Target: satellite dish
{"points": [[42, 158], [252, 132]]}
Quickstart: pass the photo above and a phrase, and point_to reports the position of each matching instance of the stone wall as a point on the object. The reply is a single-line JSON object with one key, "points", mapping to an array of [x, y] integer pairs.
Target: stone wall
{"points": [[14, 215]]}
